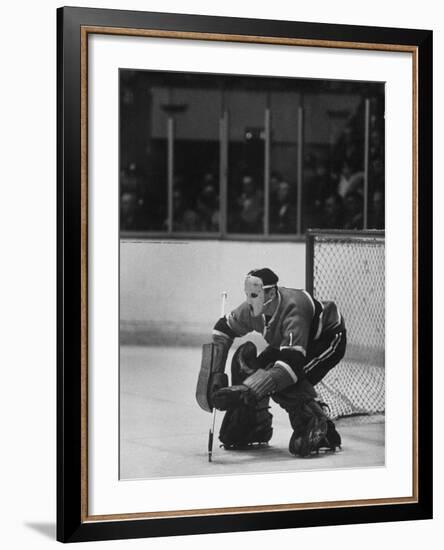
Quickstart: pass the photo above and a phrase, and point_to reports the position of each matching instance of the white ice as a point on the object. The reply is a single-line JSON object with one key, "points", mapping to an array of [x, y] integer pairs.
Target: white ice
{"points": [[164, 433]]}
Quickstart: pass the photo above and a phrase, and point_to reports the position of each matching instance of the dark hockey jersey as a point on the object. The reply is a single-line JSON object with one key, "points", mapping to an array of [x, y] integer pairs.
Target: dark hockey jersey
{"points": [[297, 320]]}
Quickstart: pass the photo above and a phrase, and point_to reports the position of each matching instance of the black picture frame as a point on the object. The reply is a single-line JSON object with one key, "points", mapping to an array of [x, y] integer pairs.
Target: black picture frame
{"points": [[73, 522]]}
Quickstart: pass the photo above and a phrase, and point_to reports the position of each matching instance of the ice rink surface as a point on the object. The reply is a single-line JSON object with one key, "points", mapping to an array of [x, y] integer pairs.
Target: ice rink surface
{"points": [[164, 433]]}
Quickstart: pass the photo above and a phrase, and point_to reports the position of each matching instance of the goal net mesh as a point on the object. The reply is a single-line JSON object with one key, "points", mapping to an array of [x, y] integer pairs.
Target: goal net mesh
{"points": [[350, 270]]}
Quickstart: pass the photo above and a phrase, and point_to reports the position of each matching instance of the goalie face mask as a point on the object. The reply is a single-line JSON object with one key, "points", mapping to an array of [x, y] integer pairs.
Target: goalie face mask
{"points": [[255, 293]]}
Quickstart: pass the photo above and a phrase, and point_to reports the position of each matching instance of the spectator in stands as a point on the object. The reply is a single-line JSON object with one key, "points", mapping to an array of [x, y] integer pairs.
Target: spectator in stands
{"points": [[375, 145], [152, 205], [376, 173], [207, 204], [319, 185], [129, 178], [353, 211], [275, 180], [185, 218], [350, 180], [250, 207], [190, 221], [348, 147], [333, 212], [283, 215], [377, 218], [128, 211]]}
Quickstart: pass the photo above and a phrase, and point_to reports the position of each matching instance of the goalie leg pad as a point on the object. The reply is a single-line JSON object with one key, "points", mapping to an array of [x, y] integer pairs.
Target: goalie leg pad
{"points": [[247, 425], [211, 375]]}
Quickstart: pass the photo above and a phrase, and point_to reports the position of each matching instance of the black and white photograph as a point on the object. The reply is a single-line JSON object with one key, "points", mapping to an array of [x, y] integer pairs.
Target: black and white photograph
{"points": [[244, 260], [221, 284], [251, 274]]}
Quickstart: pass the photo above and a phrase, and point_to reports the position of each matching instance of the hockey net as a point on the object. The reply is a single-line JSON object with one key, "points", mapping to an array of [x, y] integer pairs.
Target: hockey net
{"points": [[349, 268]]}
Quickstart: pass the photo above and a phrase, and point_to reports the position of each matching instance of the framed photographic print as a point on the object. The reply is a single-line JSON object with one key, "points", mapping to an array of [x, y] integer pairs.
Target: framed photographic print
{"points": [[244, 274]]}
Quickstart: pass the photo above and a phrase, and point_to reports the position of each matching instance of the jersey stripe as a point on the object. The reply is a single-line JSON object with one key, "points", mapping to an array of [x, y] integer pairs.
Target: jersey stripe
{"points": [[326, 354], [295, 348]]}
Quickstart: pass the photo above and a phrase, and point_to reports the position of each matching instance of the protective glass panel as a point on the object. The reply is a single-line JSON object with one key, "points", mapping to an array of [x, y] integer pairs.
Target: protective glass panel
{"points": [[246, 156], [196, 160], [283, 191], [143, 154]]}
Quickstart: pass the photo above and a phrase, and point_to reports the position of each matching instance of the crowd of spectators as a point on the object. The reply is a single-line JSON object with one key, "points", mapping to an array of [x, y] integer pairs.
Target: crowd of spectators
{"points": [[332, 195], [198, 213], [142, 200], [334, 183]]}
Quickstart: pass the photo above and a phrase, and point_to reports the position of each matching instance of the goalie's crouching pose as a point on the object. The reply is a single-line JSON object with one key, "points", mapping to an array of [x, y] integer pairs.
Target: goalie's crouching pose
{"points": [[306, 338]]}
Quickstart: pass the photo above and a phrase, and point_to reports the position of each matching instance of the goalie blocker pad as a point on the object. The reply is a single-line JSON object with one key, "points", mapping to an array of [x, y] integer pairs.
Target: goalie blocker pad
{"points": [[211, 374]]}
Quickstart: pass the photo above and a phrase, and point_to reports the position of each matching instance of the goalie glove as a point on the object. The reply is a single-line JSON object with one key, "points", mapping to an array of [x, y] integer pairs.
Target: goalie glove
{"points": [[265, 382], [259, 384], [231, 397], [255, 387]]}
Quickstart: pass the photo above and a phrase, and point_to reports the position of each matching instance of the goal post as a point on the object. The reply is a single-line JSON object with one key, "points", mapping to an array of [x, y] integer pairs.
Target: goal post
{"points": [[348, 267]]}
